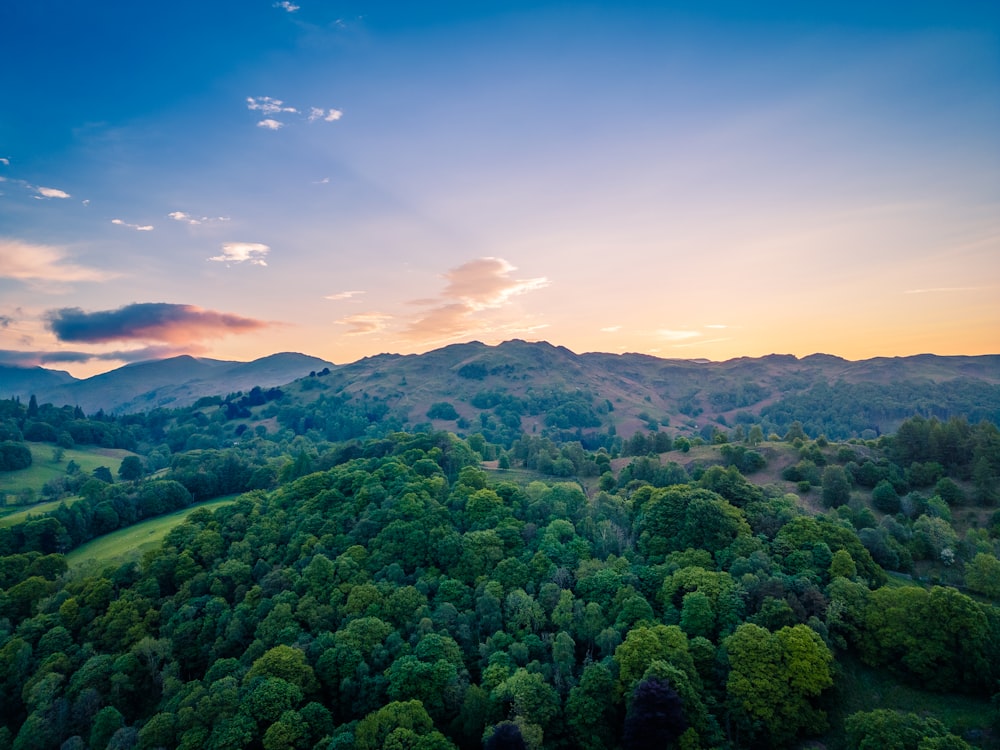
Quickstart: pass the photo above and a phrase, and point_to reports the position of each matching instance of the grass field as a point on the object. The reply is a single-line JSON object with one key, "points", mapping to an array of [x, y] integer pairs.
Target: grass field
{"points": [[16, 516], [44, 467], [861, 688], [132, 542]]}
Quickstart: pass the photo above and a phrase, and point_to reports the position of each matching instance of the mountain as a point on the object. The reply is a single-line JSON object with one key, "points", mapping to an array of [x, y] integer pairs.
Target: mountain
{"points": [[174, 382], [21, 382], [542, 388], [550, 387]]}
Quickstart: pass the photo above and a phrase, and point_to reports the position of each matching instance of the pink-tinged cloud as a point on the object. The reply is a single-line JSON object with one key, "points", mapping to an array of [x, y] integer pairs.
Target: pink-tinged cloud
{"points": [[26, 261], [481, 284], [364, 323], [343, 295], [147, 321]]}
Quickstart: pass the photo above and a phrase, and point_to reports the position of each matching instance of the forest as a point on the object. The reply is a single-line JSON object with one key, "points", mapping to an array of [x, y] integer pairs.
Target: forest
{"points": [[374, 583]]}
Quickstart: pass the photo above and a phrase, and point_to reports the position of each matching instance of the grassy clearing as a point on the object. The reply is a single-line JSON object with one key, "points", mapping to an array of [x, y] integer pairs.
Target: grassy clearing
{"points": [[861, 688], [44, 467], [132, 542], [38, 509]]}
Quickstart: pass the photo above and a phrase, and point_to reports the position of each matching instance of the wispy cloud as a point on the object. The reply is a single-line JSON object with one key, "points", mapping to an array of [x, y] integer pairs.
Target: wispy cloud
{"points": [[343, 295], [187, 218], [672, 335], [944, 289], [475, 286], [270, 124], [146, 321], [268, 105], [364, 323], [243, 252], [716, 326], [5, 161], [28, 262], [288, 6], [47, 192], [136, 227], [611, 329]]}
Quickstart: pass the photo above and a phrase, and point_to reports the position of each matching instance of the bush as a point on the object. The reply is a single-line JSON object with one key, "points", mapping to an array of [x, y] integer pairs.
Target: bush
{"points": [[14, 456]]}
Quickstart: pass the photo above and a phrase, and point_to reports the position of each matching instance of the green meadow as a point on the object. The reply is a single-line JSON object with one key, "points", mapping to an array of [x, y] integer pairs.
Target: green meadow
{"points": [[133, 541], [44, 467]]}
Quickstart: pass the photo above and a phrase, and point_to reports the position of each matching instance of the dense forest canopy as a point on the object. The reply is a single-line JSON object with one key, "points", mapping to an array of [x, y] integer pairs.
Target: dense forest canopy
{"points": [[369, 587]]}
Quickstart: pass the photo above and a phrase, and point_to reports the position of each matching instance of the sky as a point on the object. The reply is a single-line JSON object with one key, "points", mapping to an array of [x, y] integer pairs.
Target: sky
{"points": [[708, 179]]}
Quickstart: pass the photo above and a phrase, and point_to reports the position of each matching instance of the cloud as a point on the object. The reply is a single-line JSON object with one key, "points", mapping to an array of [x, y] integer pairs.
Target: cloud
{"points": [[40, 358], [716, 326], [940, 289], [342, 295], [136, 227], [326, 115], [672, 335], [475, 286], [53, 193], [364, 323], [5, 161], [146, 321], [194, 221], [286, 5], [32, 263], [268, 105], [243, 252], [611, 329]]}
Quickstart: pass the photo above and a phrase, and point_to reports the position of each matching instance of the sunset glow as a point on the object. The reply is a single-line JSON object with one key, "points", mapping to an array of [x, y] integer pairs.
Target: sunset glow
{"points": [[685, 180]]}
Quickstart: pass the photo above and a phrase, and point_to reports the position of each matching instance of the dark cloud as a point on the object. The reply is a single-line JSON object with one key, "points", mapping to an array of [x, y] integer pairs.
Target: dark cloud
{"points": [[40, 358], [146, 321]]}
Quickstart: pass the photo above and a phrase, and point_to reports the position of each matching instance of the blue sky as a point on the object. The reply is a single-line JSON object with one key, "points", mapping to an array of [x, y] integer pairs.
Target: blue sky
{"points": [[688, 180]]}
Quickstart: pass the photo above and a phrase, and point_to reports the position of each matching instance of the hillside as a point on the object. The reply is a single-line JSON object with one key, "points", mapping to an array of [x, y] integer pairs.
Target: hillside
{"points": [[174, 382]]}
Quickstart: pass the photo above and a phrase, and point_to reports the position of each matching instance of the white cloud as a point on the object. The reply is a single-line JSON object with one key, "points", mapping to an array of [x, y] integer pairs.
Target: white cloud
{"points": [[136, 227], [28, 262], [5, 161], [270, 124], [181, 216], [326, 115], [268, 105], [53, 193], [343, 295], [243, 252], [286, 5], [611, 329], [187, 218], [85, 201], [672, 335]]}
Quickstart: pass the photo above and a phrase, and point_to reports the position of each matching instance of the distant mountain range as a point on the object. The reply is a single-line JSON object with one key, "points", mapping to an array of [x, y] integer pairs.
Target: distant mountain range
{"points": [[624, 391], [143, 386]]}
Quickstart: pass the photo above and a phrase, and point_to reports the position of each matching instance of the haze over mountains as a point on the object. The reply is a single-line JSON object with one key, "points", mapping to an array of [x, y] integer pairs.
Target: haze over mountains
{"points": [[640, 389]]}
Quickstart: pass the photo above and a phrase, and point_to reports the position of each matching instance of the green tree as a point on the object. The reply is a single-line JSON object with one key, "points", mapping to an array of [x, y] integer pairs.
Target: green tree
{"points": [[774, 680], [836, 486], [982, 575]]}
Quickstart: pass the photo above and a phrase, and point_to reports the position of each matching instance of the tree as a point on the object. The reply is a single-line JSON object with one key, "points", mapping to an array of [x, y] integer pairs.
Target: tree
{"points": [[885, 498], [836, 486], [982, 575], [775, 678], [883, 729], [655, 717], [131, 469]]}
